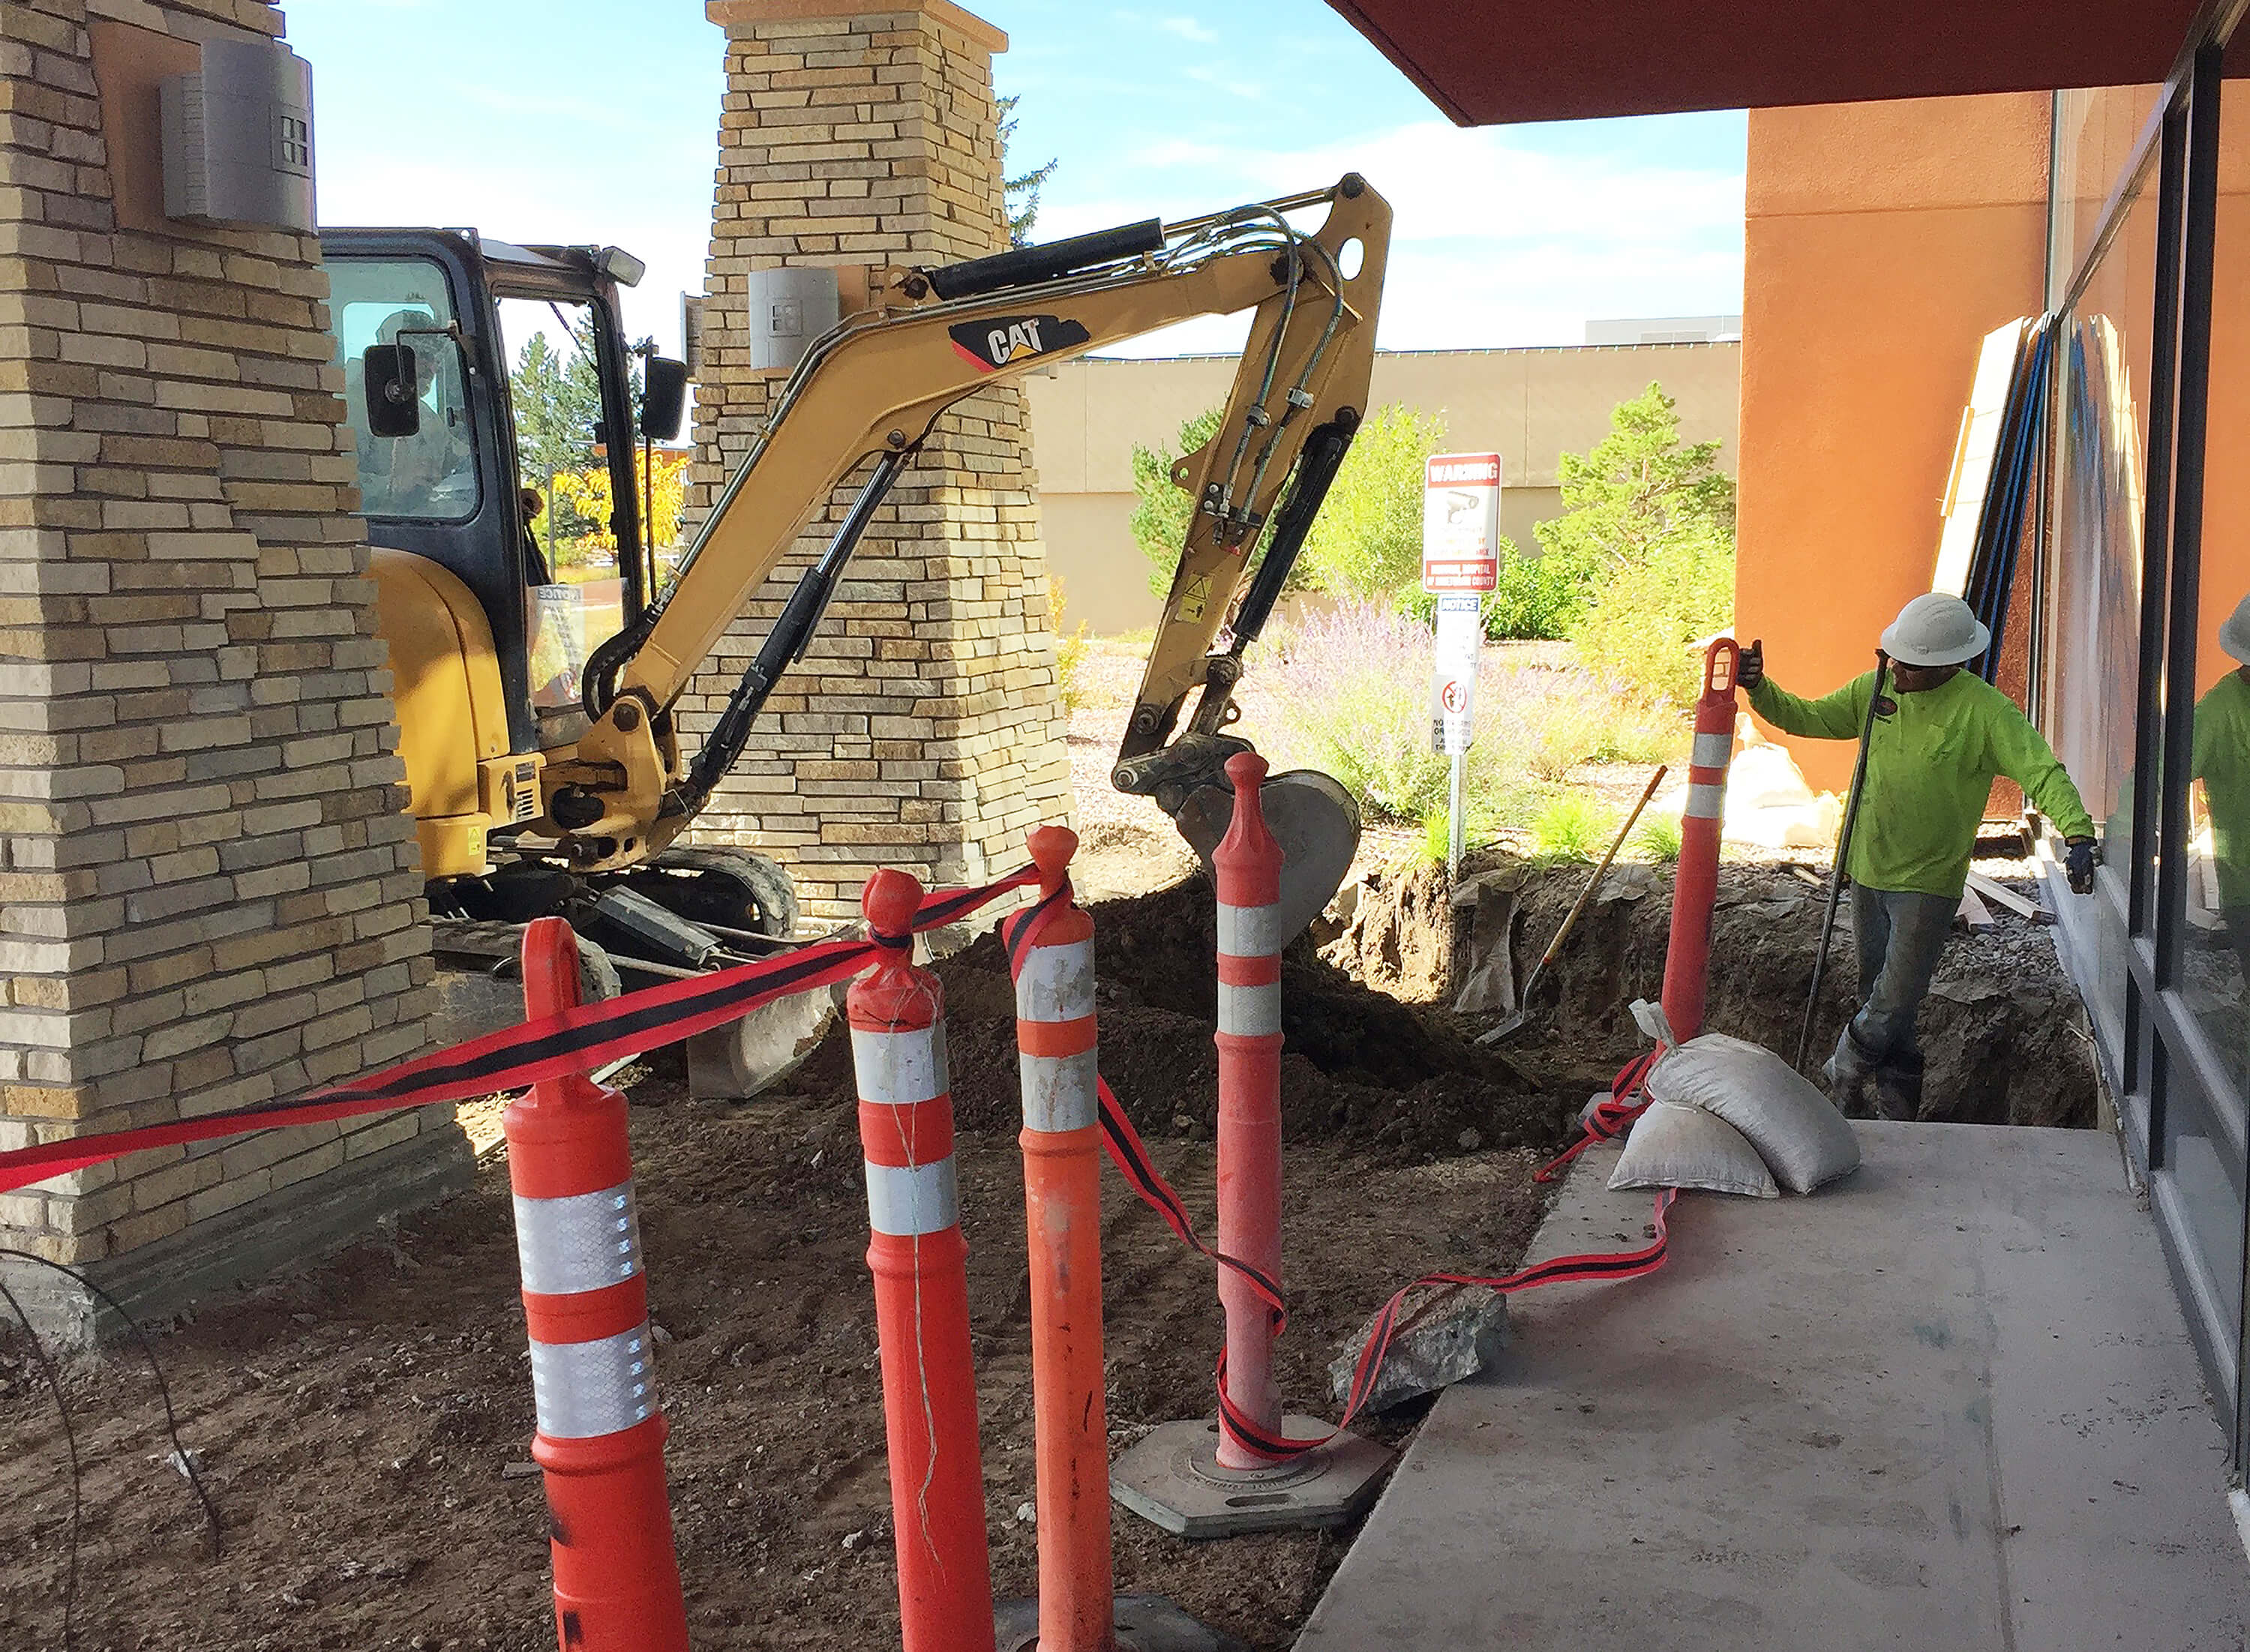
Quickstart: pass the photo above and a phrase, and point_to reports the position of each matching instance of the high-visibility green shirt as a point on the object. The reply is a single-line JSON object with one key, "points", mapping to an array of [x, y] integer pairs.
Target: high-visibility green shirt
{"points": [[2222, 763], [1930, 765]]}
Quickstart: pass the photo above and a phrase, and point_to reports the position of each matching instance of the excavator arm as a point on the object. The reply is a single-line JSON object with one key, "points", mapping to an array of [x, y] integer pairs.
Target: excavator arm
{"points": [[865, 397]]}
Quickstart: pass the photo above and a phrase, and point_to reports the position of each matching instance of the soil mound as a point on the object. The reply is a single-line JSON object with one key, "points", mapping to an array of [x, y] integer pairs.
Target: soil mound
{"points": [[1358, 1066]]}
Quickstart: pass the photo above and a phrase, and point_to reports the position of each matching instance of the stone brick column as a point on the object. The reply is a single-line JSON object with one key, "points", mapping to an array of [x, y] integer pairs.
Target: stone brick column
{"points": [[924, 730], [210, 896]]}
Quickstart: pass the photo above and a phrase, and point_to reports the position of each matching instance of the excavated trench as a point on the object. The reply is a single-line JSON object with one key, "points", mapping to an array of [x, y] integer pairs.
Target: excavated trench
{"points": [[2005, 1033]]}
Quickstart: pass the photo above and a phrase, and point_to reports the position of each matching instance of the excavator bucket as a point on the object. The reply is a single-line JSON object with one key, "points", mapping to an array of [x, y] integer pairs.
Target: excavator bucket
{"points": [[1312, 817]]}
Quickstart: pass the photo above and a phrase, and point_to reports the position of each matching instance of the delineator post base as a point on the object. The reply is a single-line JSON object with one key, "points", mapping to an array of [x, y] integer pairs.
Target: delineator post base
{"points": [[1145, 1623], [1172, 1478]]}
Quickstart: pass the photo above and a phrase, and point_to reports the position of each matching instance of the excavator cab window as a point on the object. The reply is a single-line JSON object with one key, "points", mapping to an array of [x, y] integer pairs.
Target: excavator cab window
{"points": [[575, 589], [430, 473]]}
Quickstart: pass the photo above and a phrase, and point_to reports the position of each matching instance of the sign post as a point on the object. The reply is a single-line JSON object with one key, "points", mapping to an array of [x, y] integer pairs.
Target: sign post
{"points": [[1461, 562]]}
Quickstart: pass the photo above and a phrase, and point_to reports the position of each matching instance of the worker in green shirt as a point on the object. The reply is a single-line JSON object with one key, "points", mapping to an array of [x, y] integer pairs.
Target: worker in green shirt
{"points": [[2222, 763], [1932, 752]]}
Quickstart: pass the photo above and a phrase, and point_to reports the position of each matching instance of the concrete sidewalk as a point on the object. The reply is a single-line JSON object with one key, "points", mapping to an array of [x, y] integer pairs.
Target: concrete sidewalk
{"points": [[1949, 1402]]}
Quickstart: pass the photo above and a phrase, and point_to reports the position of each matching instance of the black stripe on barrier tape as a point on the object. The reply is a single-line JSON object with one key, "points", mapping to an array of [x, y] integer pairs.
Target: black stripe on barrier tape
{"points": [[575, 1041]]}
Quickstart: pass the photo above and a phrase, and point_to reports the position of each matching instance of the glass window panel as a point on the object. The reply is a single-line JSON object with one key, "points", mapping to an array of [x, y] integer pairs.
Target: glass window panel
{"points": [[2216, 953], [2094, 131], [431, 474], [2205, 1180], [2094, 617], [571, 551]]}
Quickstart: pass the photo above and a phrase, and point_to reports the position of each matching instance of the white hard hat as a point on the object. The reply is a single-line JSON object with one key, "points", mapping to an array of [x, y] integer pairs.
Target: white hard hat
{"points": [[2234, 636], [1935, 629]]}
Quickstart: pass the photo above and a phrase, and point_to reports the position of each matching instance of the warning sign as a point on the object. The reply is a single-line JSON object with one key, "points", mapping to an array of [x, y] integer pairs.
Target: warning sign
{"points": [[1461, 522]]}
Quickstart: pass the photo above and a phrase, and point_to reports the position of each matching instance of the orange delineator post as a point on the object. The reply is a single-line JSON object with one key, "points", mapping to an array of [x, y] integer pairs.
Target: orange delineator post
{"points": [[1695, 880], [919, 1263], [601, 1432], [1248, 865], [1056, 1040]]}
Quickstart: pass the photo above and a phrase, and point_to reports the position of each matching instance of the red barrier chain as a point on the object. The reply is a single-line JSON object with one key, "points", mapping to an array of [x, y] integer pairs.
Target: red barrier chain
{"points": [[543, 1047], [1130, 1155]]}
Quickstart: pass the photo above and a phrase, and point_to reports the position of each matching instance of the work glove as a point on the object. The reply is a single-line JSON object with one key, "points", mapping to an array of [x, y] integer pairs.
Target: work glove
{"points": [[2084, 855], [1749, 669]]}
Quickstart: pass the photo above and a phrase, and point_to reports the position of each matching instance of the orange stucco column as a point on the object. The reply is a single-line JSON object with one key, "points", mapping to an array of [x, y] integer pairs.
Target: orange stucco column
{"points": [[1882, 241]]}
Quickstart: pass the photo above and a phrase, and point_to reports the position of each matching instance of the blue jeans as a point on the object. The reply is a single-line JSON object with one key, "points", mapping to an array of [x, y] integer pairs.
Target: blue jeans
{"points": [[1901, 935]]}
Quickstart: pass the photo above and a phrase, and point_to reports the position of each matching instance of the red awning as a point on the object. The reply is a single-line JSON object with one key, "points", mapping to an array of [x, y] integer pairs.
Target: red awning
{"points": [[1486, 62]]}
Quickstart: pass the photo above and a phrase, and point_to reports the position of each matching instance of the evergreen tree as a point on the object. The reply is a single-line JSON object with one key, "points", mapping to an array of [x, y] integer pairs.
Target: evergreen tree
{"points": [[1021, 193]]}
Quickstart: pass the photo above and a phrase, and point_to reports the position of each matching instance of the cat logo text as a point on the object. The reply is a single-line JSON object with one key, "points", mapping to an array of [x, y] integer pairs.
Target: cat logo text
{"points": [[992, 344]]}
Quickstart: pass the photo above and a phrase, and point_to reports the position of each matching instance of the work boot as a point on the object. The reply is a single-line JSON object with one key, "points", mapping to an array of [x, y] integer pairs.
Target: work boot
{"points": [[1847, 1072], [1898, 1087]]}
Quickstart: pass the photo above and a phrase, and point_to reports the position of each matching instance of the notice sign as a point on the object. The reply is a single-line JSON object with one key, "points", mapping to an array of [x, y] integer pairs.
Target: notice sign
{"points": [[1453, 684], [1460, 523]]}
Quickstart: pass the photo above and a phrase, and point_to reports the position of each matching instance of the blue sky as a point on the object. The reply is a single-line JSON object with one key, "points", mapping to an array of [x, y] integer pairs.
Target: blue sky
{"points": [[546, 120]]}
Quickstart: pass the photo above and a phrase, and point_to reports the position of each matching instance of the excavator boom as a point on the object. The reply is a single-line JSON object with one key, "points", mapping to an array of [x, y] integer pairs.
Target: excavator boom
{"points": [[865, 398]]}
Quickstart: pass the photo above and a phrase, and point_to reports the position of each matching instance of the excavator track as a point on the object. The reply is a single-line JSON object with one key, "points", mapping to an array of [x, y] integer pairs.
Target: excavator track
{"points": [[687, 911]]}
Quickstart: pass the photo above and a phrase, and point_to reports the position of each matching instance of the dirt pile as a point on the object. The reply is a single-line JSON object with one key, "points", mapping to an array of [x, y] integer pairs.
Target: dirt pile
{"points": [[2004, 1031], [365, 1425], [1359, 1066]]}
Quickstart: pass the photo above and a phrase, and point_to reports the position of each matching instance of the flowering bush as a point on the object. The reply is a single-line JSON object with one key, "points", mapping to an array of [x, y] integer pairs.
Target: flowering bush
{"points": [[1356, 682]]}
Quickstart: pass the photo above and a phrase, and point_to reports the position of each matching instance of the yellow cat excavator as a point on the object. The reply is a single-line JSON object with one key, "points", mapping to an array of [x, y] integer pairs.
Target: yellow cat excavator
{"points": [[537, 715]]}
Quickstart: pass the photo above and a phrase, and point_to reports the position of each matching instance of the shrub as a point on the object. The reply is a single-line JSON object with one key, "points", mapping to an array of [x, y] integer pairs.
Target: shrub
{"points": [[1357, 683], [1070, 648], [1573, 826], [1658, 837], [1640, 627]]}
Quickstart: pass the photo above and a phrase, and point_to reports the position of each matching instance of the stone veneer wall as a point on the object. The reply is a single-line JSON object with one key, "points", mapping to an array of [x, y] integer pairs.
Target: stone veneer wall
{"points": [[210, 896], [924, 730]]}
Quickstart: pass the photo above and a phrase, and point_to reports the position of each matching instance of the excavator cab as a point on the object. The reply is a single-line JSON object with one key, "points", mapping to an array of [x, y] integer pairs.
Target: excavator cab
{"points": [[489, 614]]}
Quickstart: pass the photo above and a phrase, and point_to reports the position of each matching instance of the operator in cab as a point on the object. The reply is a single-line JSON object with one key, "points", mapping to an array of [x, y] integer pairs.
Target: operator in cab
{"points": [[1939, 737]]}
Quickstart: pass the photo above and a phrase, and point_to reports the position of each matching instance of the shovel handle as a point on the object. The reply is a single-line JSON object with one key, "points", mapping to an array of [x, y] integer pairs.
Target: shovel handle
{"points": [[1586, 894]]}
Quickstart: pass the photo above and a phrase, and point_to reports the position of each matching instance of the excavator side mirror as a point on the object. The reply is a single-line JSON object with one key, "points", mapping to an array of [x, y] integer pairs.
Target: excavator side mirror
{"points": [[663, 397], [394, 389]]}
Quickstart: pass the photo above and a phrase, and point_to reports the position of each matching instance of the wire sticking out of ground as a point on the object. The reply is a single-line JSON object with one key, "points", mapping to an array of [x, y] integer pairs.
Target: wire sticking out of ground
{"points": [[179, 1459]]}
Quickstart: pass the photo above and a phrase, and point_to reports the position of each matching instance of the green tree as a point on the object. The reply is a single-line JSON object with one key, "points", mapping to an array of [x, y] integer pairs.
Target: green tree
{"points": [[558, 402], [1162, 510], [1367, 540], [1644, 553], [1020, 194]]}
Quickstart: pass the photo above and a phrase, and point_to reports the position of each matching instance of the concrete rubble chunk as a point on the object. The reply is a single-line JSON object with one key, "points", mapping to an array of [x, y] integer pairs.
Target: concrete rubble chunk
{"points": [[1445, 1334]]}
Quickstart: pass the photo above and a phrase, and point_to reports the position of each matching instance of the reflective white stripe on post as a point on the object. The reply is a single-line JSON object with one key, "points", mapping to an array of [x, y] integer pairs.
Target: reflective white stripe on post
{"points": [[1713, 750], [1057, 983], [583, 1390], [1059, 1091], [1705, 801], [1249, 1012], [907, 1199], [900, 1069], [1249, 932], [583, 1242]]}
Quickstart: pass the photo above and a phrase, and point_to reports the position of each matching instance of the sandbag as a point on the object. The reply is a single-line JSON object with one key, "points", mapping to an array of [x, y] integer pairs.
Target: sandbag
{"points": [[1795, 1128], [1674, 1147]]}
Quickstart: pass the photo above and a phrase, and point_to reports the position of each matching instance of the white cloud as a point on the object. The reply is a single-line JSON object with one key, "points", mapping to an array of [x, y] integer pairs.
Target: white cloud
{"points": [[1188, 29], [1493, 243]]}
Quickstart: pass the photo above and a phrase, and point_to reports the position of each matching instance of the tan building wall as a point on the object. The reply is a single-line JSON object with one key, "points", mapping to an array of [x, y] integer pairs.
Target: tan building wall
{"points": [[924, 730], [211, 897], [1529, 405]]}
